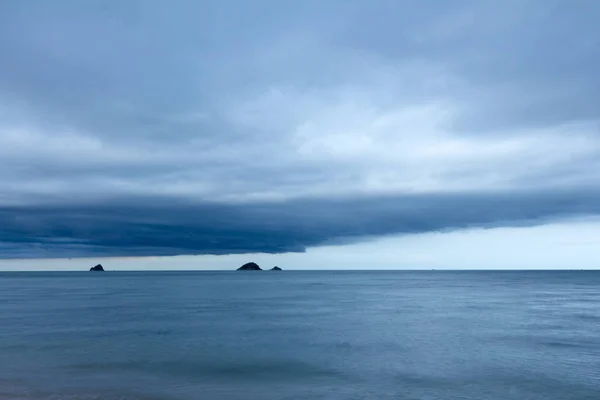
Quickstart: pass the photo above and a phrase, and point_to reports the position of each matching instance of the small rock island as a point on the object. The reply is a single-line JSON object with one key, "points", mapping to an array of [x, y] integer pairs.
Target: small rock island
{"points": [[97, 268], [251, 266]]}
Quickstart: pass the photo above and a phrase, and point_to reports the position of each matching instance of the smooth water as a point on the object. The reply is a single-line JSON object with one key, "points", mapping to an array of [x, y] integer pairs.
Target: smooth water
{"points": [[300, 335]]}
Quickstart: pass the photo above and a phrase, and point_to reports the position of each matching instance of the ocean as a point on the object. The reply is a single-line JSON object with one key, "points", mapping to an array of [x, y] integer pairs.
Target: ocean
{"points": [[495, 335]]}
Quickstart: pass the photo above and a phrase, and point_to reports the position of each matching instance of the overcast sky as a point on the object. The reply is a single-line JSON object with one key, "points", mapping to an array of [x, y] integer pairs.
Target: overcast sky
{"points": [[308, 134]]}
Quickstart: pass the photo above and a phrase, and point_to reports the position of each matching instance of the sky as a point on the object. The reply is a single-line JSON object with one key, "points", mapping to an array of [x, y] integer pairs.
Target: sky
{"points": [[326, 134]]}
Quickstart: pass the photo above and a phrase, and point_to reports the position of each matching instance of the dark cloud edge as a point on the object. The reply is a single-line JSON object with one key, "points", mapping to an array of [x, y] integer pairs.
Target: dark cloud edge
{"points": [[162, 226]]}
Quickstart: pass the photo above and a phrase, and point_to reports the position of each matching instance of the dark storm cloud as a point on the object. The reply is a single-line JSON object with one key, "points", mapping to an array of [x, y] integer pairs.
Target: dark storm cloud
{"points": [[143, 227], [263, 113]]}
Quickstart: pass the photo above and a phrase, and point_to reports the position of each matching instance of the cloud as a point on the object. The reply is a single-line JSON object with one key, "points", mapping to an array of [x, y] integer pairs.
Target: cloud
{"points": [[146, 226], [141, 128]]}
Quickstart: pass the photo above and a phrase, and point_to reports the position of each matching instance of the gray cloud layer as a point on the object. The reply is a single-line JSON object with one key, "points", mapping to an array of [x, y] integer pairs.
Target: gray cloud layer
{"points": [[169, 227], [150, 128]]}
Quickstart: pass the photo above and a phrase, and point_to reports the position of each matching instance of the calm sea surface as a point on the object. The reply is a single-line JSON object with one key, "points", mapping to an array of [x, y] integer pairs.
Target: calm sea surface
{"points": [[300, 335]]}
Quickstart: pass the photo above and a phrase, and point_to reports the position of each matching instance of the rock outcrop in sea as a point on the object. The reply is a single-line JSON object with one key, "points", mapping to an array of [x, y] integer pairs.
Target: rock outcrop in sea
{"points": [[251, 266], [97, 268], [276, 268]]}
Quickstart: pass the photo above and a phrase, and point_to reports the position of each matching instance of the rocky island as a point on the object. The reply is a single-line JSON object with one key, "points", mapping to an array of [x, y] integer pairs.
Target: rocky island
{"points": [[97, 268], [251, 266]]}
